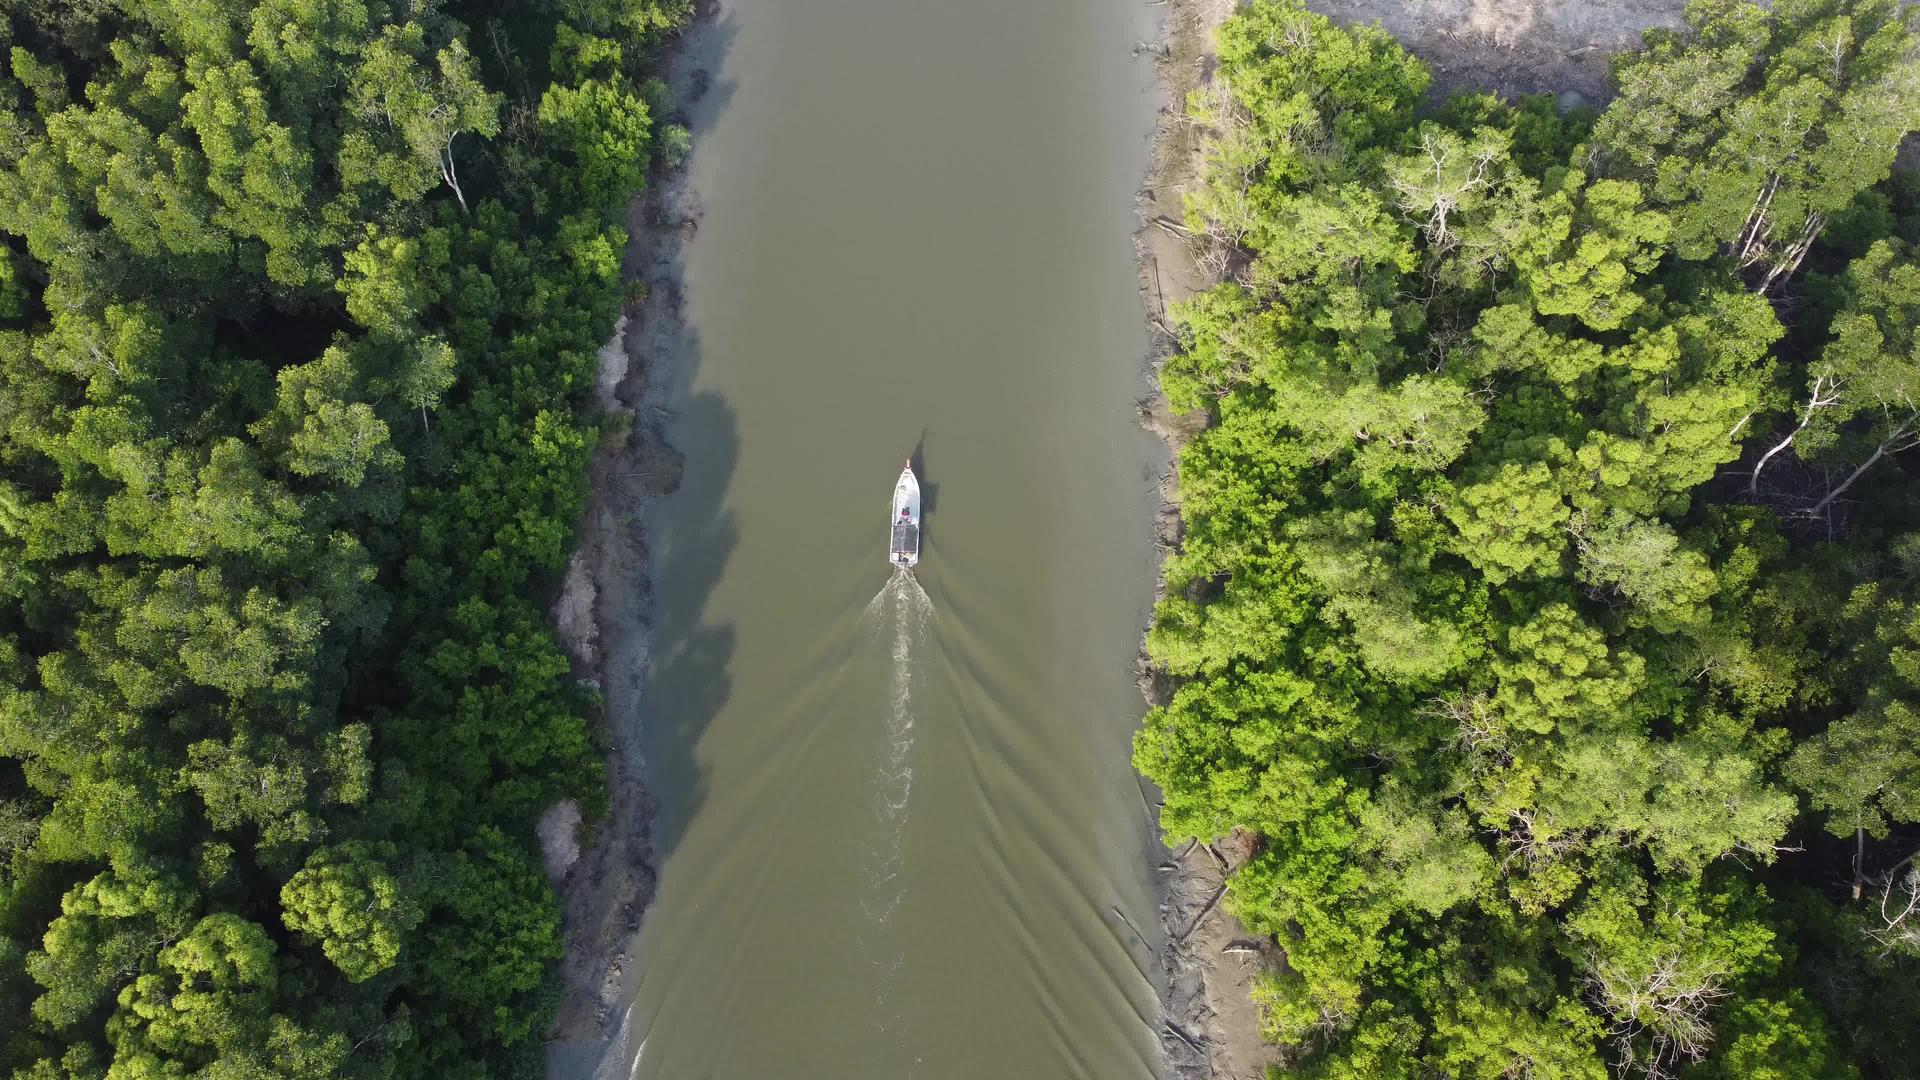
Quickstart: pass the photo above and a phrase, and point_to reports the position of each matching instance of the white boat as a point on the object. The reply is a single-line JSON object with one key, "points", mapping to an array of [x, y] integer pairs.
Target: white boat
{"points": [[903, 548]]}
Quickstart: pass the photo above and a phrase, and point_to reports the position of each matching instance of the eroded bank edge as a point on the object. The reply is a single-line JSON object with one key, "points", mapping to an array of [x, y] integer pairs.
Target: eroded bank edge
{"points": [[604, 871]]}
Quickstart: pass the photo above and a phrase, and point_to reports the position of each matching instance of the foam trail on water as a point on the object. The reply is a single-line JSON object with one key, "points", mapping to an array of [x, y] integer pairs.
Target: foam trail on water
{"points": [[896, 619], [902, 608]]}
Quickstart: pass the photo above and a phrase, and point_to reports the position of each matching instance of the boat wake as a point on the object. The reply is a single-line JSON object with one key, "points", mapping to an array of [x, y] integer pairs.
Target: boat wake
{"points": [[896, 620]]}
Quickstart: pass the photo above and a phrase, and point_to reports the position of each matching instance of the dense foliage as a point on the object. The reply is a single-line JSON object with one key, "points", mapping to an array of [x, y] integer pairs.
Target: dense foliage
{"points": [[299, 301], [1547, 617]]}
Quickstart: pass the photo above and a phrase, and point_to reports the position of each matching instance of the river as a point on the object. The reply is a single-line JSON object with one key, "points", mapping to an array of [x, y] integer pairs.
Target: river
{"points": [[896, 814]]}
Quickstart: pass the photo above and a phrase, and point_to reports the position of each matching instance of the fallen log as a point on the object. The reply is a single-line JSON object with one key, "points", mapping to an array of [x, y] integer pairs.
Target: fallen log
{"points": [[1204, 912]]}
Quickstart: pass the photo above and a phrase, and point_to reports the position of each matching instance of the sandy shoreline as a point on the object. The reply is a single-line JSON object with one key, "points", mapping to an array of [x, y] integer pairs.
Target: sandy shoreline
{"points": [[604, 872], [1209, 1027]]}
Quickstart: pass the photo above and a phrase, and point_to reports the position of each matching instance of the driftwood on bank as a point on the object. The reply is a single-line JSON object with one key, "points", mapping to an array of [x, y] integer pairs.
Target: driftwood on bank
{"points": [[1204, 912]]}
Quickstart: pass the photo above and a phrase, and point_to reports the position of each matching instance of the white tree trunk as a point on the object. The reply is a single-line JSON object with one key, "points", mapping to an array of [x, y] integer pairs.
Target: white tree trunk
{"points": [[453, 180], [1823, 393], [1886, 445]]}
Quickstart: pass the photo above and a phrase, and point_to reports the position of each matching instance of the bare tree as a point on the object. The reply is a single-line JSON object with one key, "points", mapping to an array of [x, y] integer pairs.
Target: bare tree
{"points": [[1904, 435], [1667, 1005], [1824, 392], [1899, 900]]}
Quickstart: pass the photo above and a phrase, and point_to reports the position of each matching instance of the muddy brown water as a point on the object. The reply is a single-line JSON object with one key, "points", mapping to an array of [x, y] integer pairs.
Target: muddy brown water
{"points": [[896, 814]]}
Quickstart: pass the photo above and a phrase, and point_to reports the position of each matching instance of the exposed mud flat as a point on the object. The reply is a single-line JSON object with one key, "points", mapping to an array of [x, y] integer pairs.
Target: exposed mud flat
{"points": [[604, 871], [1514, 47], [1209, 1026]]}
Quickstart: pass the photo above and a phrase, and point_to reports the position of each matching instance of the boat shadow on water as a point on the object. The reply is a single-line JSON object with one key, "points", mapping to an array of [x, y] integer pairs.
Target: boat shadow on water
{"points": [[929, 488]]}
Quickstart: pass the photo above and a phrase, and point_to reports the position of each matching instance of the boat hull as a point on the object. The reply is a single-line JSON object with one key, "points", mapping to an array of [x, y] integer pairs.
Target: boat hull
{"points": [[903, 532]]}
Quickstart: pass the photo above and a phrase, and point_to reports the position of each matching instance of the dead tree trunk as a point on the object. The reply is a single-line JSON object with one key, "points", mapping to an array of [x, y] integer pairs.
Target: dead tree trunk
{"points": [[1752, 233], [1901, 434], [1859, 861], [1824, 393], [1790, 259], [452, 178]]}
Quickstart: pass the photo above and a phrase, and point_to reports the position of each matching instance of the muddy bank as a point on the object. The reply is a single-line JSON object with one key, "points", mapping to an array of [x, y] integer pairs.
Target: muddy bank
{"points": [[1209, 1027], [604, 869]]}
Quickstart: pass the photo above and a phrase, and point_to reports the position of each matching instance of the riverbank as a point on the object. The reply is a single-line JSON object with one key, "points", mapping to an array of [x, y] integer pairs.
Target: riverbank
{"points": [[604, 870], [1209, 1025]]}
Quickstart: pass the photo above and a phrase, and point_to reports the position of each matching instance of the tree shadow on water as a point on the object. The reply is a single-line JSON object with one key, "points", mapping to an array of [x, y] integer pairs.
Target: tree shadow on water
{"points": [[689, 534], [691, 537]]}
